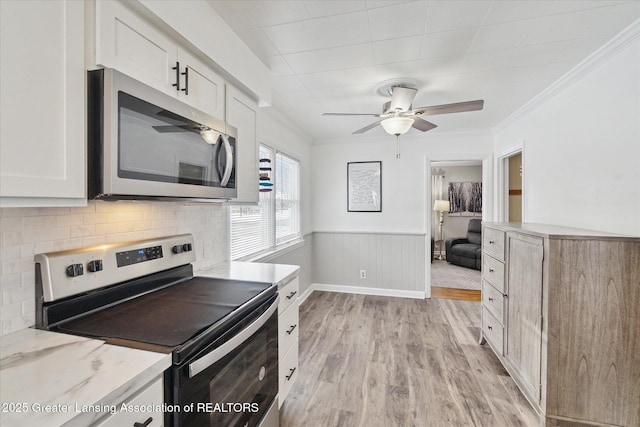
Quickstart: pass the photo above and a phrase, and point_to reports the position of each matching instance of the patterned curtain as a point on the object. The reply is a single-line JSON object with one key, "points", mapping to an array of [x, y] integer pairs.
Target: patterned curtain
{"points": [[437, 193]]}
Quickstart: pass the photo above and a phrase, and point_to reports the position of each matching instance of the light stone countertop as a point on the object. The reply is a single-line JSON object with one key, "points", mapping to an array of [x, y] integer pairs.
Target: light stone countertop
{"points": [[67, 372], [278, 274]]}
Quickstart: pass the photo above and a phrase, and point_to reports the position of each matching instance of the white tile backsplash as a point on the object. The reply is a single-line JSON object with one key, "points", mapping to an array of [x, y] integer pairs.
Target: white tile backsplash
{"points": [[25, 232]]}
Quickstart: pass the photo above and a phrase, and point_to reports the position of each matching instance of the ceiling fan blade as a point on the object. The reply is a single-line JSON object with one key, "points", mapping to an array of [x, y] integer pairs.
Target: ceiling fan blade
{"points": [[366, 128], [351, 114], [401, 98], [458, 107], [422, 124]]}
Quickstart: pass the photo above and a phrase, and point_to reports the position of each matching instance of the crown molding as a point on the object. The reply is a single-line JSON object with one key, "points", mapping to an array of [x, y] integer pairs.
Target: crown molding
{"points": [[628, 36]]}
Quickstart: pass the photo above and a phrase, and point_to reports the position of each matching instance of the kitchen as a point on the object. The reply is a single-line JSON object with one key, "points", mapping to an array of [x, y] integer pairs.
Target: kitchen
{"points": [[45, 183]]}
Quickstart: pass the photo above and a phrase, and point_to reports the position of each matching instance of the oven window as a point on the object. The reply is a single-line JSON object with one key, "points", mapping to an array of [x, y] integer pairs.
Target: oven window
{"points": [[157, 145], [238, 389]]}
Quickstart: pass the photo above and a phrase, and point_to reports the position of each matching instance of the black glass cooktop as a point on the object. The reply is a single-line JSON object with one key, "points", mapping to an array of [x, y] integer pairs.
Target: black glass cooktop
{"points": [[170, 316]]}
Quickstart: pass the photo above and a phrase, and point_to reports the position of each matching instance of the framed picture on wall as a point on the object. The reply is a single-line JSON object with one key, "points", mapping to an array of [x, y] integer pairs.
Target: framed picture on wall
{"points": [[465, 199], [364, 187]]}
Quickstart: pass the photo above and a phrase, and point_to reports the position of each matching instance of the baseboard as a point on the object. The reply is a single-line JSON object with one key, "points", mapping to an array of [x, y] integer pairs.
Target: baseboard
{"points": [[398, 293], [303, 296]]}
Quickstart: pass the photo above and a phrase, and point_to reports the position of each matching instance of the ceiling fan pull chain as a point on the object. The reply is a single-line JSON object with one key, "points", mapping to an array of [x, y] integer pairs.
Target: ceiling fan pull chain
{"points": [[397, 146]]}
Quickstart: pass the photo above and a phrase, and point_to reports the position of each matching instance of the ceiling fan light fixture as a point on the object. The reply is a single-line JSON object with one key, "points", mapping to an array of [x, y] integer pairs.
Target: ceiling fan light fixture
{"points": [[397, 125]]}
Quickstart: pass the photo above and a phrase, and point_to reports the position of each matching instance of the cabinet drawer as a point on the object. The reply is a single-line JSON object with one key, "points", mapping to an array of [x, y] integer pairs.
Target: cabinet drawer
{"points": [[153, 396], [493, 300], [493, 243], [492, 330], [287, 330], [288, 373], [288, 294], [493, 271]]}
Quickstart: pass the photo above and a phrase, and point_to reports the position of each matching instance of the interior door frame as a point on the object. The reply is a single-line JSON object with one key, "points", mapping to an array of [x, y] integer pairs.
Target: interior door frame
{"points": [[487, 161], [502, 181]]}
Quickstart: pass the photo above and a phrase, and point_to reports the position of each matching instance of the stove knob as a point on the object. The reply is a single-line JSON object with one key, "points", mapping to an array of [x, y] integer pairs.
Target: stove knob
{"points": [[187, 247], [95, 265], [75, 270], [177, 249]]}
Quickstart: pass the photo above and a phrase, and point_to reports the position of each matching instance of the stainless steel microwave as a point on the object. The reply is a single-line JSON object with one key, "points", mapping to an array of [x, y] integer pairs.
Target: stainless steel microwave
{"points": [[145, 144]]}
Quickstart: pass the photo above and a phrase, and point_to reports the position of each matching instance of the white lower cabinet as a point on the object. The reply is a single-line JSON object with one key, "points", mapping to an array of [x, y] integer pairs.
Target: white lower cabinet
{"points": [[288, 328], [152, 397], [42, 137]]}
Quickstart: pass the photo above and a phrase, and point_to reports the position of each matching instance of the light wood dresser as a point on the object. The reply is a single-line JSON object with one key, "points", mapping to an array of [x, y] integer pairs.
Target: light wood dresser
{"points": [[561, 310]]}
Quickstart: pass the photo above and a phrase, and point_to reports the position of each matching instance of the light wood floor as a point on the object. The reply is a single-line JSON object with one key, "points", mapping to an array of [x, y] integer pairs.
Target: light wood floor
{"points": [[379, 361], [452, 293]]}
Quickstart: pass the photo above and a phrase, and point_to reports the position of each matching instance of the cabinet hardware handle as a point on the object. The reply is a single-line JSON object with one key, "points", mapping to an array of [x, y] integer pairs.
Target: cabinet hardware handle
{"points": [[490, 328], [491, 242], [291, 371], [177, 83], [292, 294], [491, 270], [490, 299], [290, 331], [186, 81], [144, 424]]}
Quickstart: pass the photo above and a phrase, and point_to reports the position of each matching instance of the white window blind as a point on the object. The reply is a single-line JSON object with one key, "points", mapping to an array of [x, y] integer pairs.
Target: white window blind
{"points": [[276, 218]]}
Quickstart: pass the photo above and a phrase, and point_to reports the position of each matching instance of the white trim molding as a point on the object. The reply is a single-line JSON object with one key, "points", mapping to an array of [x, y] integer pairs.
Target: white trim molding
{"points": [[608, 50], [365, 291]]}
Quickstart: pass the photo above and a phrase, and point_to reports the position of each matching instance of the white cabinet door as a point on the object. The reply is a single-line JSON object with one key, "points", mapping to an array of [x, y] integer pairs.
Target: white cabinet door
{"points": [[242, 113], [42, 137], [129, 44], [200, 87]]}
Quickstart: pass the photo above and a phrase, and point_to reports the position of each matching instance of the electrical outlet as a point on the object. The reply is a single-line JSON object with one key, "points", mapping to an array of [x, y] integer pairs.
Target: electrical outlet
{"points": [[363, 274]]}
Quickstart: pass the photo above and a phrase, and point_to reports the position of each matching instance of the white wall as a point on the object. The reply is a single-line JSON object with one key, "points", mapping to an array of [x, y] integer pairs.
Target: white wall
{"points": [[404, 180], [582, 147]]}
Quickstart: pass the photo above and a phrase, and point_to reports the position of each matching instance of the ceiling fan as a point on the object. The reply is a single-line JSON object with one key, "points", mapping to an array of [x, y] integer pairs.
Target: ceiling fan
{"points": [[398, 116]]}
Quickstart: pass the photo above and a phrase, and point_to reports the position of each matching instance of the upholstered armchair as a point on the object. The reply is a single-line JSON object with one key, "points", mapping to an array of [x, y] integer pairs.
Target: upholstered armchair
{"points": [[466, 252]]}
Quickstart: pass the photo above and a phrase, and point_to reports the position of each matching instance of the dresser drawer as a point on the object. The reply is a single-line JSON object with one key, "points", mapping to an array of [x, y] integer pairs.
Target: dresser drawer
{"points": [[493, 300], [492, 330], [288, 294], [288, 373], [287, 329], [493, 271], [493, 242]]}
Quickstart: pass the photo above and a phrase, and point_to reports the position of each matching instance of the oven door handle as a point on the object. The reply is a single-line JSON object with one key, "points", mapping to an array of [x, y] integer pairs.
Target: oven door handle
{"points": [[210, 358]]}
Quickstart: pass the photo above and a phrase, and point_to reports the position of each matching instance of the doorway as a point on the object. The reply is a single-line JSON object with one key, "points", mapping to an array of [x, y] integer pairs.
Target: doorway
{"points": [[511, 185], [450, 219]]}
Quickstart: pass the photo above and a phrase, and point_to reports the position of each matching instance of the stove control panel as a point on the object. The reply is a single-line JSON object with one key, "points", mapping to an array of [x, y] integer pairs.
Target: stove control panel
{"points": [[66, 273], [138, 255]]}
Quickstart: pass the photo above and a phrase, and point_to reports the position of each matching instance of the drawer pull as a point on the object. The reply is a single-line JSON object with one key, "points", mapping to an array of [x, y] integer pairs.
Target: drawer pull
{"points": [[490, 327], [292, 294], [491, 242], [491, 270], [490, 299], [291, 371], [290, 331], [144, 424]]}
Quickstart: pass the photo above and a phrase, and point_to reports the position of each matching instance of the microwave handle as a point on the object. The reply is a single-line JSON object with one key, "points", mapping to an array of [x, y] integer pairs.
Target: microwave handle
{"points": [[226, 175], [210, 358]]}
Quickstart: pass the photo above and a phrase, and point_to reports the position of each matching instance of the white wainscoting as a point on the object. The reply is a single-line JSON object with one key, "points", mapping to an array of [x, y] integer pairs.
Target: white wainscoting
{"points": [[394, 263]]}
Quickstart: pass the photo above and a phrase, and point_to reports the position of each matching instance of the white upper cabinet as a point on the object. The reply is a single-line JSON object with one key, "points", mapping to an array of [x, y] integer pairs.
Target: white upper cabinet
{"points": [[200, 87], [129, 44], [242, 113], [42, 112]]}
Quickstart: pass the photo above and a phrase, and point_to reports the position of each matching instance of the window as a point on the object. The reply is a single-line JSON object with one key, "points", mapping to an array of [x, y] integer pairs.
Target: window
{"points": [[275, 221]]}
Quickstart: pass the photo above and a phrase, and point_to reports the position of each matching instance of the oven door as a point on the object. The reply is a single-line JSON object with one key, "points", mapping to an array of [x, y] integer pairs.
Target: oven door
{"points": [[234, 382]]}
